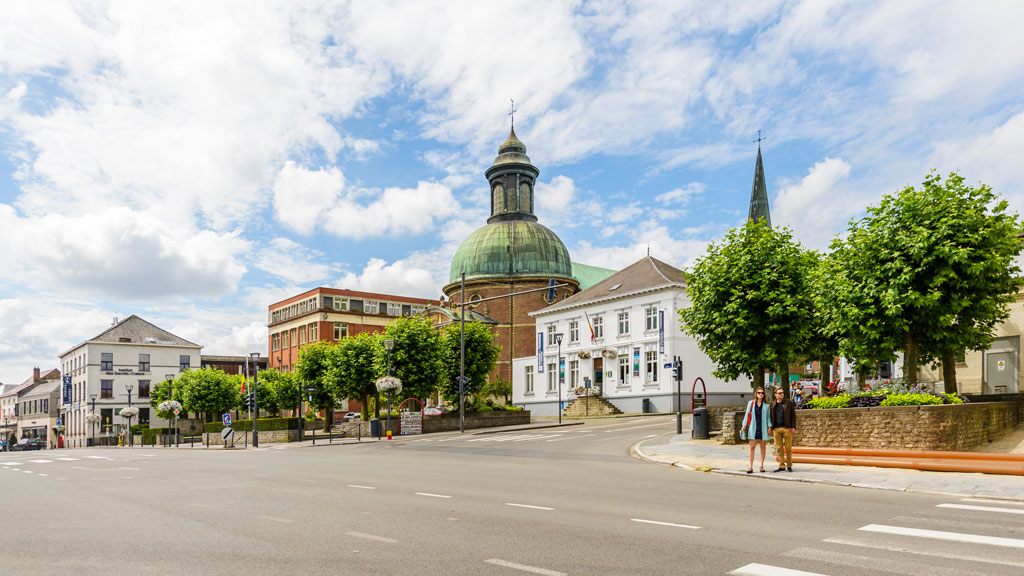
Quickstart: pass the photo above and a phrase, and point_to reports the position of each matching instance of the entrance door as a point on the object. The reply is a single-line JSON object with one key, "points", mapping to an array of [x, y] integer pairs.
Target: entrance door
{"points": [[1001, 371]]}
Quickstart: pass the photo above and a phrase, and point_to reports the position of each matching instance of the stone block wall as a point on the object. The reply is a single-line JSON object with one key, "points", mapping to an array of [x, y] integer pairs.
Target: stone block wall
{"points": [[266, 436], [450, 422], [959, 427]]}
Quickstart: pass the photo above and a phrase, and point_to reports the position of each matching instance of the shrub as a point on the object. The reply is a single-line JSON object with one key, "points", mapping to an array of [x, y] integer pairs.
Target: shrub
{"points": [[912, 399], [841, 401], [484, 408], [513, 408], [951, 398]]}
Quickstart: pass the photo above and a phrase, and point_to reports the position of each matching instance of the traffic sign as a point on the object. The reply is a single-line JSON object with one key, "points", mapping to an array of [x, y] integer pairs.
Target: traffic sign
{"points": [[176, 412], [227, 419]]}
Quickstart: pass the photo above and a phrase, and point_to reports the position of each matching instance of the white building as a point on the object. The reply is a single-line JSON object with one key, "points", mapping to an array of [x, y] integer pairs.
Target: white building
{"points": [[121, 363], [26, 414], [633, 316]]}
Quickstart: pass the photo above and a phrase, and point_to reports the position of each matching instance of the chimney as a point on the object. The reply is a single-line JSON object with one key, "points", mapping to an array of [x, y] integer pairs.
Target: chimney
{"points": [[35, 374]]}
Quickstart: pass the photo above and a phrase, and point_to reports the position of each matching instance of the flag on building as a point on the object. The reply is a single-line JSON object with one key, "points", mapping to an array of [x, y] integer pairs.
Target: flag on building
{"points": [[589, 325], [245, 373]]}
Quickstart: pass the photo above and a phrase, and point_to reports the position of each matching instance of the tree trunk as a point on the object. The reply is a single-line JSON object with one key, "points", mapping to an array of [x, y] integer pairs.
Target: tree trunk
{"points": [[825, 365], [376, 406], [758, 378], [366, 407], [329, 419], [784, 378], [949, 372], [910, 358], [862, 376]]}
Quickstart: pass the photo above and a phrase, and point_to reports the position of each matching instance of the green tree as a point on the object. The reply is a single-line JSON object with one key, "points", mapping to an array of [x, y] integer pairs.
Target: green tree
{"points": [[750, 301], [313, 372], [481, 357], [278, 391], [938, 265], [352, 371], [499, 388], [417, 358], [208, 392]]}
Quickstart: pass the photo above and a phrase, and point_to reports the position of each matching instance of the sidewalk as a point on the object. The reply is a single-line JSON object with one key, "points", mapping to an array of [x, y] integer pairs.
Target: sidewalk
{"points": [[711, 456]]}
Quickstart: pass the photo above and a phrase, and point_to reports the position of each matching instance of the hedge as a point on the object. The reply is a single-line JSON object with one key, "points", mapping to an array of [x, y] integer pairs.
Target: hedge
{"points": [[265, 424]]}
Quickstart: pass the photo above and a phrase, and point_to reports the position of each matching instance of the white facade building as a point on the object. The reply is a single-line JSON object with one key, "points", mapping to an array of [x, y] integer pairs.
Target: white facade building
{"points": [[133, 354], [633, 316]]}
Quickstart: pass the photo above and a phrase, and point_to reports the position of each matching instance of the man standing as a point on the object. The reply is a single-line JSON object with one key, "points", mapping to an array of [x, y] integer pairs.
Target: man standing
{"points": [[783, 428]]}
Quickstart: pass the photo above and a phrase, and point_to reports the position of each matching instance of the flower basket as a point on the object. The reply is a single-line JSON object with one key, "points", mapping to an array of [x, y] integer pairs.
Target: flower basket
{"points": [[389, 385], [169, 406], [93, 417], [610, 354], [128, 412], [583, 354]]}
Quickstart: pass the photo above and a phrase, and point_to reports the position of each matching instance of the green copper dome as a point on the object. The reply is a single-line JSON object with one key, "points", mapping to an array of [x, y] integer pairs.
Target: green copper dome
{"points": [[535, 251]]}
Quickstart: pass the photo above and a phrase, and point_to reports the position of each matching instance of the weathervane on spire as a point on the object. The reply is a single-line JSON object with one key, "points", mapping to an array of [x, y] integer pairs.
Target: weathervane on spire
{"points": [[512, 113], [759, 139]]}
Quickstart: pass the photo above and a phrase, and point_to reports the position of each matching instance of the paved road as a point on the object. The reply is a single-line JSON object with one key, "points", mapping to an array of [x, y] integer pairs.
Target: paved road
{"points": [[555, 501]]}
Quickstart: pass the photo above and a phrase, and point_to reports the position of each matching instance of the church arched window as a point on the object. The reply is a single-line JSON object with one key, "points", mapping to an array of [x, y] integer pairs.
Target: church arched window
{"points": [[525, 198], [498, 199], [510, 204]]}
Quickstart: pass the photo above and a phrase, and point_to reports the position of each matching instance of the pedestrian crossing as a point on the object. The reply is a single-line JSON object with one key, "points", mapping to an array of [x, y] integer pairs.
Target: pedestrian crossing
{"points": [[988, 541]]}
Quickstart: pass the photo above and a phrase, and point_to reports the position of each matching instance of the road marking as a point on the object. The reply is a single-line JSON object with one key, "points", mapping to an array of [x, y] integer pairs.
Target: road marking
{"points": [[894, 548], [432, 495], [41, 461], [985, 508], [373, 537], [12, 463], [569, 438], [528, 506], [68, 459], [362, 487], [879, 564], [984, 501], [952, 536], [642, 521], [27, 471], [766, 570], [44, 474], [281, 520], [524, 567], [99, 457]]}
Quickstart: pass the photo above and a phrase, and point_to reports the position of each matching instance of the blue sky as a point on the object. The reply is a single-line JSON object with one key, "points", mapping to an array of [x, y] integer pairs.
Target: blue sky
{"points": [[193, 162]]}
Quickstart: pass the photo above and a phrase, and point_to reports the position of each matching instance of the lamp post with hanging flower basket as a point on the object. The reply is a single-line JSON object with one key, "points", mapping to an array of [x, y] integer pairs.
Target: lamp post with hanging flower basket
{"points": [[92, 418], [389, 385], [174, 407], [129, 413]]}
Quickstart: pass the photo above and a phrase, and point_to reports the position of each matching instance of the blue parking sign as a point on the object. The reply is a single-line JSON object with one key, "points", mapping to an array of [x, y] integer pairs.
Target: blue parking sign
{"points": [[227, 419]]}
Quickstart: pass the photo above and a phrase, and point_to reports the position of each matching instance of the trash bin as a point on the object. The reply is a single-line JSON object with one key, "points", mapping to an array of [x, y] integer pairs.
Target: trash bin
{"points": [[700, 423], [646, 405], [375, 428]]}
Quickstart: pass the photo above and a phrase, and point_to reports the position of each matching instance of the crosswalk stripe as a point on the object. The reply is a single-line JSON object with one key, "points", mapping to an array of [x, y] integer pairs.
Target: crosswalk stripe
{"points": [[879, 564], [1000, 502], [68, 459], [41, 461], [908, 550], [766, 570], [984, 508], [951, 536]]}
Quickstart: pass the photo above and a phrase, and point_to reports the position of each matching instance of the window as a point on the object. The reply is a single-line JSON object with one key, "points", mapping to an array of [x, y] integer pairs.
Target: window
{"points": [[143, 388], [574, 331], [294, 339], [623, 323], [417, 309], [275, 342], [284, 340], [184, 363], [340, 330], [652, 367], [552, 377], [107, 361], [106, 416], [598, 322], [370, 307], [106, 388], [394, 309], [341, 304], [528, 386], [46, 405], [574, 373], [551, 335], [143, 362], [143, 415], [651, 315], [623, 370], [312, 332]]}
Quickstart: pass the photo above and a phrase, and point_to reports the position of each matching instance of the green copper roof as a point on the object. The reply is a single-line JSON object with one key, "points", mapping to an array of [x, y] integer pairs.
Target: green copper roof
{"points": [[588, 275], [512, 151], [535, 251], [759, 194]]}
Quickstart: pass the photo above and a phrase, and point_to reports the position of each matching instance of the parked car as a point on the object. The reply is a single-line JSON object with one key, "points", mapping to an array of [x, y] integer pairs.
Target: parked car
{"points": [[27, 444], [435, 411], [349, 416]]}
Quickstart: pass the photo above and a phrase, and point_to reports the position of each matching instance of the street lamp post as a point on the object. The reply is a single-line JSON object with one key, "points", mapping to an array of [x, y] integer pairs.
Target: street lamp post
{"points": [[462, 357], [6, 420], [92, 422], [309, 390], [561, 376], [388, 346], [129, 387], [170, 397], [255, 398]]}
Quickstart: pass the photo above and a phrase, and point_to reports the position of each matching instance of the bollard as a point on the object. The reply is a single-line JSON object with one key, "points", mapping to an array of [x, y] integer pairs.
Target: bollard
{"points": [[389, 434]]}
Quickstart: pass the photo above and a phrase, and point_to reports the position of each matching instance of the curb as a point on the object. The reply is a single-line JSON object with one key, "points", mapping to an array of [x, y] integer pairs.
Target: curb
{"points": [[531, 427]]}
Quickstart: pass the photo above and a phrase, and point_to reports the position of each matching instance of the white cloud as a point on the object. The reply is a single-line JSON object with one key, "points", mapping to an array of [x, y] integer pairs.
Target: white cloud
{"points": [[401, 277], [649, 235], [393, 211], [681, 196], [293, 262], [818, 203], [301, 196]]}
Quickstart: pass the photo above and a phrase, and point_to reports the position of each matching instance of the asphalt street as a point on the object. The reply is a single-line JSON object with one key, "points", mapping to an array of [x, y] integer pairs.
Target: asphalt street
{"points": [[568, 500]]}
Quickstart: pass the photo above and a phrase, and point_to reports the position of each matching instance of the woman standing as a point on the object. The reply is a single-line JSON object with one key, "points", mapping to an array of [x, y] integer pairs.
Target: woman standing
{"points": [[756, 420]]}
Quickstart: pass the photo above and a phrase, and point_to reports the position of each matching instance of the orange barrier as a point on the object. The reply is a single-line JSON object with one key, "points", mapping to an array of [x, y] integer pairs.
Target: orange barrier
{"points": [[944, 464], [864, 452]]}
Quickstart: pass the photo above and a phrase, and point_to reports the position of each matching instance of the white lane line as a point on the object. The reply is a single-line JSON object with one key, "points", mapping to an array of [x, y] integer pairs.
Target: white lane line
{"points": [[432, 495], [951, 536], [642, 521], [985, 508], [528, 506], [44, 474], [12, 463], [1000, 502], [569, 438], [907, 550], [362, 487], [41, 461], [68, 459], [373, 537], [98, 457], [27, 471], [880, 564], [276, 519], [766, 570], [524, 567]]}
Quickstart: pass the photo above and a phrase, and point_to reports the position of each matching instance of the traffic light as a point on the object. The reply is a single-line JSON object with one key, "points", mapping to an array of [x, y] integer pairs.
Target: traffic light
{"points": [[677, 371], [250, 400]]}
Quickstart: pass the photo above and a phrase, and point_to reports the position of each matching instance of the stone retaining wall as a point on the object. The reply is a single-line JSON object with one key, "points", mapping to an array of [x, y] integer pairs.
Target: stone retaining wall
{"points": [[266, 436], [956, 427], [450, 422]]}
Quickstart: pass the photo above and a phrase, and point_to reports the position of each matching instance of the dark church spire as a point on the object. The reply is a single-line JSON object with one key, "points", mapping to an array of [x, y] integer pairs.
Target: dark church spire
{"points": [[759, 194]]}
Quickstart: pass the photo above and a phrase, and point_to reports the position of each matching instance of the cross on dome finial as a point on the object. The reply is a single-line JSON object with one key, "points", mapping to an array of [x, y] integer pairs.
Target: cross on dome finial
{"points": [[759, 139], [512, 112]]}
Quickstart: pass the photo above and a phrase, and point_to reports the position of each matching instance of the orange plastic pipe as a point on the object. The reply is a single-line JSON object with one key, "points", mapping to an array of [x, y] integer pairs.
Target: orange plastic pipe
{"points": [[908, 453], [932, 464]]}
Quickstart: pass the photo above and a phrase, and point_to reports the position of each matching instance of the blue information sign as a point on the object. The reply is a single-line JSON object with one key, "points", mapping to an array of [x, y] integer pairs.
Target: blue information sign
{"points": [[227, 419]]}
